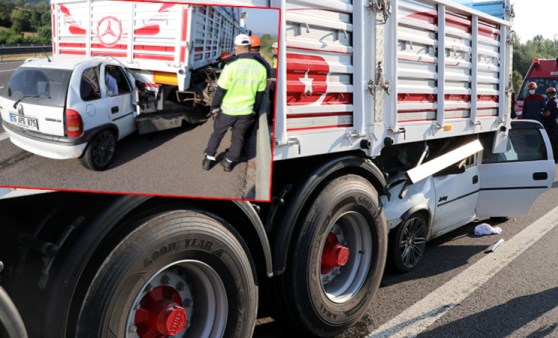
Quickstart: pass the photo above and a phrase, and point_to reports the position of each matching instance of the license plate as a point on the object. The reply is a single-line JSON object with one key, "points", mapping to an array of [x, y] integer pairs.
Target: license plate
{"points": [[24, 121]]}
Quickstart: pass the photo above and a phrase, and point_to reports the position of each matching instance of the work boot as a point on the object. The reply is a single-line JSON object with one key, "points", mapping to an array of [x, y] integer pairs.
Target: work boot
{"points": [[208, 162], [227, 164]]}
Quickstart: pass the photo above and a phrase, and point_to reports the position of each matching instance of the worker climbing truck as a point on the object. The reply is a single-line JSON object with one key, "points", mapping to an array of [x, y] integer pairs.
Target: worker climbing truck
{"points": [[369, 94]]}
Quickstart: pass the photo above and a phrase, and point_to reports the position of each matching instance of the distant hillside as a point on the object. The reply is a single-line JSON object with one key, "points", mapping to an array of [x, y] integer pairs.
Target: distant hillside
{"points": [[24, 21]]}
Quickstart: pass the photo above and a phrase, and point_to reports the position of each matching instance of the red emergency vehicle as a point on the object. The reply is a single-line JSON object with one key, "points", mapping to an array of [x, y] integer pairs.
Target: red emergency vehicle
{"points": [[544, 72]]}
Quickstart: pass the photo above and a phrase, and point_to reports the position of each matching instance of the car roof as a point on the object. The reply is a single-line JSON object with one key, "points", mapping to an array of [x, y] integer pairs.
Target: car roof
{"points": [[67, 62]]}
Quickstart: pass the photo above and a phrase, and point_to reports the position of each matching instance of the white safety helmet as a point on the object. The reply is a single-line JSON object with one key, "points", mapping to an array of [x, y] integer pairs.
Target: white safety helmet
{"points": [[242, 40]]}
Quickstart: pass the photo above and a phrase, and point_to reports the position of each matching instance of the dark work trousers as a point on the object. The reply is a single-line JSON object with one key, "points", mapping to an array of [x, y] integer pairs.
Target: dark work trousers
{"points": [[553, 136], [239, 126]]}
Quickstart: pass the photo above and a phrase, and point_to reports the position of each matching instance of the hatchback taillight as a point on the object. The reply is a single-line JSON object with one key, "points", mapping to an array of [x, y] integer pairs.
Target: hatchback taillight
{"points": [[74, 123]]}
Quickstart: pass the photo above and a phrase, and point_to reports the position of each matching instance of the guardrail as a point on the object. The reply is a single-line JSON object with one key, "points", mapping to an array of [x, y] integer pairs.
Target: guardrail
{"points": [[19, 49]]}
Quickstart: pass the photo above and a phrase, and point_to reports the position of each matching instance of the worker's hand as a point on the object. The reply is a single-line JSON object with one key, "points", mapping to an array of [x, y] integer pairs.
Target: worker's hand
{"points": [[215, 112]]}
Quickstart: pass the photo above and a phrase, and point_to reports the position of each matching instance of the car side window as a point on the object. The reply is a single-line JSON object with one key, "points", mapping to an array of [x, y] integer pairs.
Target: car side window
{"points": [[116, 80], [89, 86], [523, 145]]}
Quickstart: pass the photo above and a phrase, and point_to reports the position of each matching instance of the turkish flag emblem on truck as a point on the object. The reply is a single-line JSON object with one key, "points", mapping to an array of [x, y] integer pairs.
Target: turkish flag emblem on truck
{"points": [[306, 78]]}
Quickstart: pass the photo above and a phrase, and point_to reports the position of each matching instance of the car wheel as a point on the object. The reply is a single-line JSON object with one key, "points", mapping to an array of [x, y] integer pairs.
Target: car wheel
{"points": [[100, 151], [336, 261], [408, 242], [180, 274]]}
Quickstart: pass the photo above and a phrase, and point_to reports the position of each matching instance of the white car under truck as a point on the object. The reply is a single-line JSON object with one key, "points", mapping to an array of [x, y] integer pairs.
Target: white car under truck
{"points": [[372, 97], [157, 57]]}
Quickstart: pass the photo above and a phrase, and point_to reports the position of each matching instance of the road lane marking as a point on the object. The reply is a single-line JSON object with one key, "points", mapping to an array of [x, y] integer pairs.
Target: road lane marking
{"points": [[8, 70], [3, 136], [418, 318]]}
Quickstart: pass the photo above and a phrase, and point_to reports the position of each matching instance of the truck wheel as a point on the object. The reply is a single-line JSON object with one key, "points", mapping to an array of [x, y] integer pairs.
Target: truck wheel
{"points": [[100, 151], [408, 242], [336, 261], [179, 274]]}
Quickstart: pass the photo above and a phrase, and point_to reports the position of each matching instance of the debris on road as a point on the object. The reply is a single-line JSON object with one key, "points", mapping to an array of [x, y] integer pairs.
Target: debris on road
{"points": [[493, 247], [484, 229]]}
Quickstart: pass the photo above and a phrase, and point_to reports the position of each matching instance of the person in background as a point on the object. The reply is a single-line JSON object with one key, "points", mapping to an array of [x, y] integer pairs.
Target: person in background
{"points": [[224, 58], [548, 120], [112, 86], [255, 46], [274, 50], [239, 92], [534, 104]]}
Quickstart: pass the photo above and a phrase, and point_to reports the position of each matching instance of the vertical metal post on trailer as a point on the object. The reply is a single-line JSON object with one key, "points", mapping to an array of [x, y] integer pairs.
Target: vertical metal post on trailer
{"points": [[281, 100], [474, 69], [131, 35], [441, 65]]}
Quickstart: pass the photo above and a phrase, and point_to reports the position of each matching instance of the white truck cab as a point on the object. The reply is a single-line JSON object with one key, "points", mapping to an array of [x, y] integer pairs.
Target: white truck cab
{"points": [[62, 108]]}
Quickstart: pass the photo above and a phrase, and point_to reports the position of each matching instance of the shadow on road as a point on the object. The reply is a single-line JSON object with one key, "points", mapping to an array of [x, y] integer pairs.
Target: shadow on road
{"points": [[515, 313], [440, 257], [132, 147]]}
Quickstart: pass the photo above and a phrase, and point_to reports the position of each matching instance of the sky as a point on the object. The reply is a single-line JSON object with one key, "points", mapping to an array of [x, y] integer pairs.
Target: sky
{"points": [[533, 17], [262, 21]]}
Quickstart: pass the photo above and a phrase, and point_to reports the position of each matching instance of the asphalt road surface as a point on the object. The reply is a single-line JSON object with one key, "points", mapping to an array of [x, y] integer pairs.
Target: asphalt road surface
{"points": [[163, 163], [459, 290]]}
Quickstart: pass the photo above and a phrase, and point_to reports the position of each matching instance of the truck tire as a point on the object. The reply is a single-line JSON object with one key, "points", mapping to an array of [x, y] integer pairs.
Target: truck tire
{"points": [[408, 242], [100, 151], [336, 260], [180, 273]]}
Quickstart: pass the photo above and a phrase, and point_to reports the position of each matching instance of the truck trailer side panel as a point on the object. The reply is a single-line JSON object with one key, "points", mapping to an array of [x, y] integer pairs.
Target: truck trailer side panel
{"points": [[168, 40], [425, 69]]}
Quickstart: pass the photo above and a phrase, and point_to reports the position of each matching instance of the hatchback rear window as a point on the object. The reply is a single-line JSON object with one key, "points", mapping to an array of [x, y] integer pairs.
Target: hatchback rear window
{"points": [[46, 87]]}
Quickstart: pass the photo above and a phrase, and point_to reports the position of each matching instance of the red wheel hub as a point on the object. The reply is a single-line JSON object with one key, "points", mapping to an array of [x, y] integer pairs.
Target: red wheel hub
{"points": [[334, 254], [160, 313]]}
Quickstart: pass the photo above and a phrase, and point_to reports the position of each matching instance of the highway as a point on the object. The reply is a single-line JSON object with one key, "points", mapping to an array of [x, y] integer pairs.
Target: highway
{"points": [[163, 163]]}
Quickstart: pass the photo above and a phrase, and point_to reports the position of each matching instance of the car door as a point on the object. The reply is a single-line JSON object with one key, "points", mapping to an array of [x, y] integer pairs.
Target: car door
{"points": [[457, 191], [510, 182], [120, 98]]}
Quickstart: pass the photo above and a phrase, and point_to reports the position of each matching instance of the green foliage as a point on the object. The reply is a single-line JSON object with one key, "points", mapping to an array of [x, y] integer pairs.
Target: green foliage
{"points": [[524, 53], [266, 41], [18, 16], [6, 8]]}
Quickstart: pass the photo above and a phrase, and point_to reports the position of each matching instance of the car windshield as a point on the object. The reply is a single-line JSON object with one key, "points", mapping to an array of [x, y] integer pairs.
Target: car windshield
{"points": [[46, 87], [542, 85]]}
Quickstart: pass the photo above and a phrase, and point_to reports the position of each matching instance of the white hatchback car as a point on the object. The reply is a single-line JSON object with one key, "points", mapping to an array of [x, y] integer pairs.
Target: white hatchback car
{"points": [[65, 108], [480, 185]]}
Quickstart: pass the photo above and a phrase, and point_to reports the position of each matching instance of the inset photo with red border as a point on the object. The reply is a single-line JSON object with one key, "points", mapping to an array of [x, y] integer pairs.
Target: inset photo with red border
{"points": [[142, 97]]}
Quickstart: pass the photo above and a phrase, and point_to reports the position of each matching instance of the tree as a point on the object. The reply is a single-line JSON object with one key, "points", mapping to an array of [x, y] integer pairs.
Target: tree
{"points": [[6, 8], [266, 42], [21, 20], [524, 53]]}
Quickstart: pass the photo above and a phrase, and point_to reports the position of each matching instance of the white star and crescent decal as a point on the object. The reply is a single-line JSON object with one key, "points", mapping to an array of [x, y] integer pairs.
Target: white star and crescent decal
{"points": [[307, 81]]}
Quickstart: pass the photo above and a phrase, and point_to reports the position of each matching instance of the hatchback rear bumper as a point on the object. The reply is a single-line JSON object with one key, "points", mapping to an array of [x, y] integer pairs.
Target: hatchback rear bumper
{"points": [[56, 149]]}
